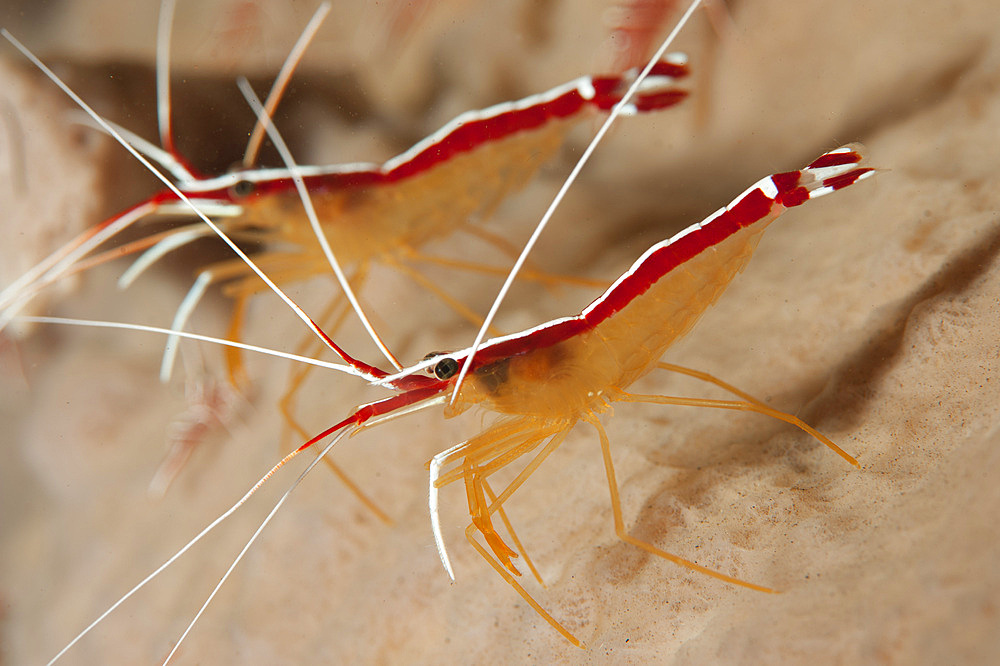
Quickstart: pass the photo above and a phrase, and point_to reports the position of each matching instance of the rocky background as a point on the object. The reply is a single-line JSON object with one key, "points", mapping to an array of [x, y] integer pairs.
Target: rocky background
{"points": [[871, 314]]}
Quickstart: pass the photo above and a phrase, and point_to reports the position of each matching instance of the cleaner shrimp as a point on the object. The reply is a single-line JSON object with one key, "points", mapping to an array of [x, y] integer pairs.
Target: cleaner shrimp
{"points": [[372, 214], [783, 526], [549, 378]]}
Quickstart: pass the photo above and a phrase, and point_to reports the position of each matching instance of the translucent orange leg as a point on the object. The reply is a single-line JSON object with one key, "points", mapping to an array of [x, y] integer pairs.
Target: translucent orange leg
{"points": [[510, 530], [238, 374], [481, 520], [506, 575], [475, 474], [282, 267], [750, 404], [234, 357], [711, 379], [530, 468], [499, 242], [500, 444], [357, 492], [530, 271], [478, 488], [457, 306], [299, 375], [616, 509]]}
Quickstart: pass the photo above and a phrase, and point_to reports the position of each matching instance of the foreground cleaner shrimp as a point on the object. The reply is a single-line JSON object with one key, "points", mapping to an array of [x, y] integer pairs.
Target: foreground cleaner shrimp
{"points": [[894, 561], [573, 369], [552, 376]]}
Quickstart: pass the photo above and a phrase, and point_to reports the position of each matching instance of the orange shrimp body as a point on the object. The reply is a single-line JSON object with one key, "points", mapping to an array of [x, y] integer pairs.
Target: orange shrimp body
{"points": [[550, 377], [460, 173], [571, 369], [367, 212], [410, 212], [377, 223], [574, 376]]}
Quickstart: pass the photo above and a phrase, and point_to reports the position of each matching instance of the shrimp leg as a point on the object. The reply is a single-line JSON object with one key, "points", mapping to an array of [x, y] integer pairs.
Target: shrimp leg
{"points": [[706, 377], [498, 555], [616, 508], [507, 576], [510, 530], [743, 406]]}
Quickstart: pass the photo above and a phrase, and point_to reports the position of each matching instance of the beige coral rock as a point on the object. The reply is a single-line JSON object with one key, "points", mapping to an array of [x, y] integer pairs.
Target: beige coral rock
{"points": [[872, 314]]}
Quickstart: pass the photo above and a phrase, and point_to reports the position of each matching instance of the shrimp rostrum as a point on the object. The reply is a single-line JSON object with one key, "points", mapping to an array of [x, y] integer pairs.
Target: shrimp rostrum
{"points": [[545, 380]]}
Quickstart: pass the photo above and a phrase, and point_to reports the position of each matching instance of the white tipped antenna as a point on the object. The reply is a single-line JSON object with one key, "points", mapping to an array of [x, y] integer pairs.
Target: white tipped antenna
{"points": [[300, 186], [163, 32]]}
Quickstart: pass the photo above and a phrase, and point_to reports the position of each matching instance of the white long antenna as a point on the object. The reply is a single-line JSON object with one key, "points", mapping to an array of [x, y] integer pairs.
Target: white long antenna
{"points": [[615, 112], [163, 32], [300, 186], [96, 323], [211, 526], [253, 538]]}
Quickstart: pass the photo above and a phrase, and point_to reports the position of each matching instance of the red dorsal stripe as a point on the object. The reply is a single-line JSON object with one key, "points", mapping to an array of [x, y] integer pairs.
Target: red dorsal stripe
{"points": [[474, 129], [789, 189]]}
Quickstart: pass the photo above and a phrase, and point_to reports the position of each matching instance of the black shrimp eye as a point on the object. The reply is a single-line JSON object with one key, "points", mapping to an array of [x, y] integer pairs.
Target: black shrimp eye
{"points": [[243, 188], [446, 368]]}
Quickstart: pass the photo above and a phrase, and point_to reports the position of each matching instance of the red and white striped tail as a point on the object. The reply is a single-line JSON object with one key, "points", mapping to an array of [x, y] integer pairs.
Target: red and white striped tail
{"points": [[828, 173]]}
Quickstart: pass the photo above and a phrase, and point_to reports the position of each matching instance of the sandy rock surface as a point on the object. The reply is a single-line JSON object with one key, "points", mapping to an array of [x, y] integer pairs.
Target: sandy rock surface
{"points": [[872, 315]]}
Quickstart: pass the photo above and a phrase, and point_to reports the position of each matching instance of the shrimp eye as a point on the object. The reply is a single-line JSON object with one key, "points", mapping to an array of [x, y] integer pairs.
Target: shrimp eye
{"points": [[243, 188], [446, 368], [443, 369]]}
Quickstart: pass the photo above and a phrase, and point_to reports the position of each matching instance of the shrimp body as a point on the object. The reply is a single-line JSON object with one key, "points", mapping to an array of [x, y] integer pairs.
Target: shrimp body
{"points": [[367, 211], [547, 379], [565, 368], [462, 172]]}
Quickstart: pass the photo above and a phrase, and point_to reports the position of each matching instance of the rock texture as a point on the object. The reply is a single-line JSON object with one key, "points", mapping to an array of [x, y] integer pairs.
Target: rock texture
{"points": [[871, 314]]}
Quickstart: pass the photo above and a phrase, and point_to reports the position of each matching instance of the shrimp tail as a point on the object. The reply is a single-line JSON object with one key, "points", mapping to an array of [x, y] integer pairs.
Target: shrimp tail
{"points": [[828, 173], [655, 92]]}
